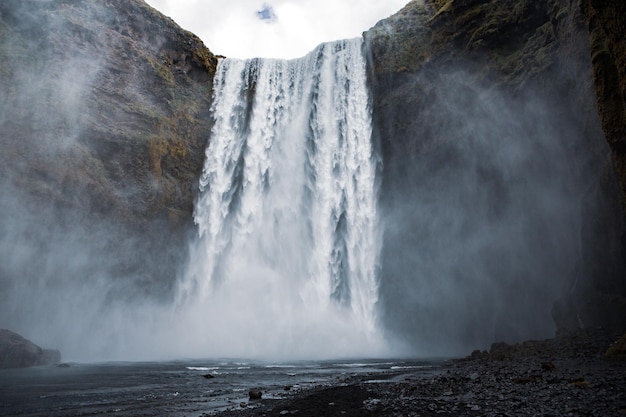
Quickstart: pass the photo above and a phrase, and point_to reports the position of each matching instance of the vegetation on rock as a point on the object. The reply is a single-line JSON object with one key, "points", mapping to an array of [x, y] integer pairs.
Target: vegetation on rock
{"points": [[105, 118]]}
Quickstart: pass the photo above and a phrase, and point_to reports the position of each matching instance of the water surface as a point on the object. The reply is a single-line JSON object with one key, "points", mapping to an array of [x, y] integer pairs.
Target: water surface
{"points": [[177, 388]]}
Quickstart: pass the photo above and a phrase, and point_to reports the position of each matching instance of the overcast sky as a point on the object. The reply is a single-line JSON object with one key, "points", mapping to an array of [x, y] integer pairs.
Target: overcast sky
{"points": [[274, 28]]}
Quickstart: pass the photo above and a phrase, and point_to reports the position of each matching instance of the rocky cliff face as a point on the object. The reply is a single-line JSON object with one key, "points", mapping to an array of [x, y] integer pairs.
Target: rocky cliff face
{"points": [[499, 192], [103, 124], [608, 53], [108, 101], [607, 25], [104, 118]]}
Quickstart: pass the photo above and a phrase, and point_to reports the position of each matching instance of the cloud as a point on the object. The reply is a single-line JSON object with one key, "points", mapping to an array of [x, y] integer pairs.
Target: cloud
{"points": [[240, 28]]}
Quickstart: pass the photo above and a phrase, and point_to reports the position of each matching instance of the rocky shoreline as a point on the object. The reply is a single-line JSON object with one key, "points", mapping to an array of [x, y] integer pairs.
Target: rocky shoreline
{"points": [[577, 374]]}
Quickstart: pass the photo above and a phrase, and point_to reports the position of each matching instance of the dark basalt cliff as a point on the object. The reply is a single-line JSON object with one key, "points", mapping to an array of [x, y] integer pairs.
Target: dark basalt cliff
{"points": [[607, 26], [106, 103], [498, 180], [501, 126], [103, 125]]}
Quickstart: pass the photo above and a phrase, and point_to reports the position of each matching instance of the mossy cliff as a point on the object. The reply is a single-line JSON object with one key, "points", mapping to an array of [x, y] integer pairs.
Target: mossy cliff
{"points": [[493, 119], [124, 95], [105, 118], [607, 26]]}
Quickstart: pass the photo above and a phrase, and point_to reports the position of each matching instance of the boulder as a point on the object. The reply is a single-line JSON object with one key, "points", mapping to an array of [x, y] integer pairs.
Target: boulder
{"points": [[618, 349], [255, 394], [18, 352]]}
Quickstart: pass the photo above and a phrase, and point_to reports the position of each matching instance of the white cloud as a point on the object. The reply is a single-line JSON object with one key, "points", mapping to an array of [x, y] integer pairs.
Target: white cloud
{"points": [[233, 27]]}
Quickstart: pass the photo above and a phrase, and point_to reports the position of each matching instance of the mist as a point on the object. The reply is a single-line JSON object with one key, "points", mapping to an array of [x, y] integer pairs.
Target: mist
{"points": [[88, 263], [479, 204], [83, 263], [483, 218]]}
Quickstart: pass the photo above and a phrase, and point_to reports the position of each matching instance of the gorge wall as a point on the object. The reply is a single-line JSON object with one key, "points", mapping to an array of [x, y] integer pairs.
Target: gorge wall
{"points": [[500, 125], [499, 188], [104, 117]]}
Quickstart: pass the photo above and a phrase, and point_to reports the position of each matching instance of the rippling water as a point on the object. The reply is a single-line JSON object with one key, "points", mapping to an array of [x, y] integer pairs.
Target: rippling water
{"points": [[170, 388]]}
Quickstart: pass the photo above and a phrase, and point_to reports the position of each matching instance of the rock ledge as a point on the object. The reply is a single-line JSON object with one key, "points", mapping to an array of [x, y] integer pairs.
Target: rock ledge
{"points": [[18, 352]]}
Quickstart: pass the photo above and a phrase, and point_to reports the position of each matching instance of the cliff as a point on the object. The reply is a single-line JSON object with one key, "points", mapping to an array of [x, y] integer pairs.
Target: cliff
{"points": [[608, 55], [110, 99], [104, 120], [499, 192]]}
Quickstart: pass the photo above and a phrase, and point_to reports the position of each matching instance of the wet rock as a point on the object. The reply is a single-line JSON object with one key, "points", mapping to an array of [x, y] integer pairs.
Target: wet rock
{"points": [[255, 394], [579, 382], [18, 352], [500, 351], [478, 354], [618, 349]]}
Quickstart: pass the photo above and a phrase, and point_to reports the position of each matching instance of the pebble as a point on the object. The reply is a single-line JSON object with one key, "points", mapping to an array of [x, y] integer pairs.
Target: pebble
{"points": [[557, 377]]}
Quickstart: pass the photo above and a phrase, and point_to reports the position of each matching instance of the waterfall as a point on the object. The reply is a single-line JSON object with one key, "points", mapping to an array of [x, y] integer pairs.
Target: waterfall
{"points": [[287, 217]]}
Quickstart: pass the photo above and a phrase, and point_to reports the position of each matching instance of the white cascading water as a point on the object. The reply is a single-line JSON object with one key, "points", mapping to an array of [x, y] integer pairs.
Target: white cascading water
{"points": [[286, 262]]}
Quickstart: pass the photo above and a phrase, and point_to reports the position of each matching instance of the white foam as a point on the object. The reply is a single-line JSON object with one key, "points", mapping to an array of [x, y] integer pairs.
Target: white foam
{"points": [[287, 218]]}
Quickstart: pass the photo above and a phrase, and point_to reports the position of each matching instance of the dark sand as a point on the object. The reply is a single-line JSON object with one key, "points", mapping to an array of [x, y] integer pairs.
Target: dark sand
{"points": [[565, 376]]}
